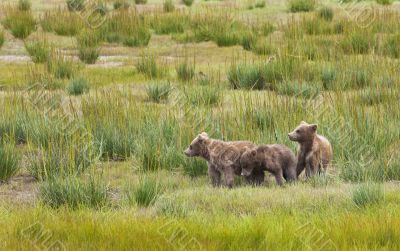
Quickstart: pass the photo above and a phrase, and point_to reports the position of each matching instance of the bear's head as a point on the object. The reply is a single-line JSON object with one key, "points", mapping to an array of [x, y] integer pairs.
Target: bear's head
{"points": [[304, 132], [198, 147], [248, 161]]}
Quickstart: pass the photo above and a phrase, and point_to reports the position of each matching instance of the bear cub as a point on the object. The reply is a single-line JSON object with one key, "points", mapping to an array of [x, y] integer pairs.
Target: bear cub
{"points": [[222, 158], [314, 152], [277, 159]]}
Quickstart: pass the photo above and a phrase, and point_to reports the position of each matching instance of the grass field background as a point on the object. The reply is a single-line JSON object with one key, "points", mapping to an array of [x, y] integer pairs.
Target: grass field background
{"points": [[94, 121]]}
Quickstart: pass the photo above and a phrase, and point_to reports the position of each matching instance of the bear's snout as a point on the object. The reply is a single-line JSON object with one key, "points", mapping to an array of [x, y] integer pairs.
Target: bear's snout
{"points": [[187, 153]]}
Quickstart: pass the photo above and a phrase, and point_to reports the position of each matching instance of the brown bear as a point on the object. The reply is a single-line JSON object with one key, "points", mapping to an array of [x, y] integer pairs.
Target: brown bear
{"points": [[277, 159], [223, 158], [315, 151]]}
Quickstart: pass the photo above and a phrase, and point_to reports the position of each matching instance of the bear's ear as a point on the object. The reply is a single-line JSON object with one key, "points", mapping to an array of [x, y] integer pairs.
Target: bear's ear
{"points": [[203, 136], [254, 152], [314, 127], [303, 123]]}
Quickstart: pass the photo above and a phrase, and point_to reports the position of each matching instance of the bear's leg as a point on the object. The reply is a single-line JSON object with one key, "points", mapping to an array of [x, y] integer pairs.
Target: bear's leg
{"points": [[290, 173], [310, 165], [229, 176], [259, 177], [278, 177], [214, 175]]}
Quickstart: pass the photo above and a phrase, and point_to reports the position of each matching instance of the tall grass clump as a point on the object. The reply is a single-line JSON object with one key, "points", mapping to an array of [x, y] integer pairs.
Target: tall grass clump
{"points": [[392, 46], [115, 141], [188, 3], [204, 95], [358, 43], [121, 4], [158, 92], [148, 65], [293, 88], [146, 192], [61, 66], [328, 77], [384, 2], [168, 6], [263, 48], [75, 5], [24, 5], [169, 23], [225, 38], [139, 39], [88, 47], [140, 1], [20, 23], [2, 39], [9, 162], [62, 22], [266, 28], [246, 76], [260, 4], [194, 167], [247, 40], [367, 194], [61, 159], [77, 86], [74, 193], [185, 71], [325, 13], [38, 50], [126, 26], [358, 77], [301, 5]]}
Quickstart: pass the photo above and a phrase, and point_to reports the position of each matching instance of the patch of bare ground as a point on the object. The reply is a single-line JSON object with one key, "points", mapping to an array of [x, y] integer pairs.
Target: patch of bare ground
{"points": [[19, 190]]}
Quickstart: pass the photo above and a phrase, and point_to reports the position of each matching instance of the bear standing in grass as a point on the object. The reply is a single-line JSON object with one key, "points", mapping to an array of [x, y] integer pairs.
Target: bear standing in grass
{"points": [[276, 159], [315, 151], [222, 157]]}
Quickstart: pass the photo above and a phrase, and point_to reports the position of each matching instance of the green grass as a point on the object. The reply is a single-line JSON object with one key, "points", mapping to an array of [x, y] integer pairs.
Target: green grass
{"points": [[117, 150], [204, 95], [61, 66], [20, 23], [121, 4], [149, 66], [326, 13], [158, 92], [75, 5], [188, 2], [301, 5], [367, 194], [146, 192], [73, 193], [246, 76], [2, 39], [24, 5], [38, 50], [384, 2], [306, 90], [185, 71], [62, 22], [392, 46], [10, 162], [168, 6], [77, 86]]}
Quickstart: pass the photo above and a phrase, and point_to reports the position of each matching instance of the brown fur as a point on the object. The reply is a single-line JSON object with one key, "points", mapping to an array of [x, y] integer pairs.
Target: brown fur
{"points": [[315, 151], [279, 160], [222, 157]]}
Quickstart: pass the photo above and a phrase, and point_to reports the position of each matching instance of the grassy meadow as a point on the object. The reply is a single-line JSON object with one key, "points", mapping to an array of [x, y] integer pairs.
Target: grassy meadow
{"points": [[99, 99]]}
